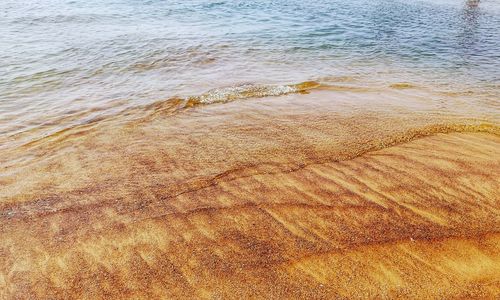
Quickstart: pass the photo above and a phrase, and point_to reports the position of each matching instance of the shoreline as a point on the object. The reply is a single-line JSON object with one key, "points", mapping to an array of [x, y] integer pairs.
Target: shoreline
{"points": [[295, 196], [250, 149]]}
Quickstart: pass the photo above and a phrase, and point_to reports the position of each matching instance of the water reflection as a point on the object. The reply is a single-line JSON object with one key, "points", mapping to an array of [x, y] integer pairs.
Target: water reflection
{"points": [[470, 16], [472, 3]]}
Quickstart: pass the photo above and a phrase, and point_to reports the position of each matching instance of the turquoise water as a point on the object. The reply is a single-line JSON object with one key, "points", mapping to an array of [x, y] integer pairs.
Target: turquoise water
{"points": [[69, 62]]}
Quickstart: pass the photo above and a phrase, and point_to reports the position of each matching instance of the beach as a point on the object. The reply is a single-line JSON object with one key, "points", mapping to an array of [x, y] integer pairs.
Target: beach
{"points": [[249, 149], [295, 203]]}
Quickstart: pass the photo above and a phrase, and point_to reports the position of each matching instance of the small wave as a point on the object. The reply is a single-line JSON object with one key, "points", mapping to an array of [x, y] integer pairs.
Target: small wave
{"points": [[60, 18], [227, 94], [402, 85], [245, 91], [177, 104]]}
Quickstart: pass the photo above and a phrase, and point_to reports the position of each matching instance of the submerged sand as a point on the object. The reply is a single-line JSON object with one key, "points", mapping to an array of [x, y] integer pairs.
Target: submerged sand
{"points": [[259, 199]]}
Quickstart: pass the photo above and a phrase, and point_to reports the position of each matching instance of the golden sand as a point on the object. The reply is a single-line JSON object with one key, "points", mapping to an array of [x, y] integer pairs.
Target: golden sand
{"points": [[257, 199]]}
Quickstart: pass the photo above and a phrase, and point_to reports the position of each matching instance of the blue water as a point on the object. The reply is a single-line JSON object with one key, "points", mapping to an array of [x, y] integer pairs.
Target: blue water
{"points": [[81, 58]]}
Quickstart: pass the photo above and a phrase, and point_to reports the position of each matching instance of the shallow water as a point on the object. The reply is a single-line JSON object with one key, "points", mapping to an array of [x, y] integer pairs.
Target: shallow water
{"points": [[202, 149], [66, 63]]}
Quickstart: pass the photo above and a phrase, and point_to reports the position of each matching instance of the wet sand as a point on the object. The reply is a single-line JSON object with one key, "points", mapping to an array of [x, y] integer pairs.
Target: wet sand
{"points": [[265, 198]]}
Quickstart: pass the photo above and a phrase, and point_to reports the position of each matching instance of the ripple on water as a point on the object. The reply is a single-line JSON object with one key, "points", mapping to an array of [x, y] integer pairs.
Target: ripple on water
{"points": [[58, 52]]}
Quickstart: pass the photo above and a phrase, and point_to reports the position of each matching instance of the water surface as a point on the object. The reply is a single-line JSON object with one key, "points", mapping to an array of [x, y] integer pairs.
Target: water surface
{"points": [[66, 63]]}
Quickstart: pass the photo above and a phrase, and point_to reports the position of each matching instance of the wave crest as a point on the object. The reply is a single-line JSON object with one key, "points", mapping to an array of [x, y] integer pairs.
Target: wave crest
{"points": [[227, 94]]}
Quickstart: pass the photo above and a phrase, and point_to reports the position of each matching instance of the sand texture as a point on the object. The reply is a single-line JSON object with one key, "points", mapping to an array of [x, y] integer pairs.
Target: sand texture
{"points": [[251, 200], [420, 219]]}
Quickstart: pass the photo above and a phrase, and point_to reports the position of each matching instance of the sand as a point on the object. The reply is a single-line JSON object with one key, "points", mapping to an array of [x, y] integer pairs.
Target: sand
{"points": [[225, 202]]}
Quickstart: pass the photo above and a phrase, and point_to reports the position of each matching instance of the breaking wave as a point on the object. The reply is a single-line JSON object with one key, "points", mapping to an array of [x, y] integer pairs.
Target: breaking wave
{"points": [[245, 91]]}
